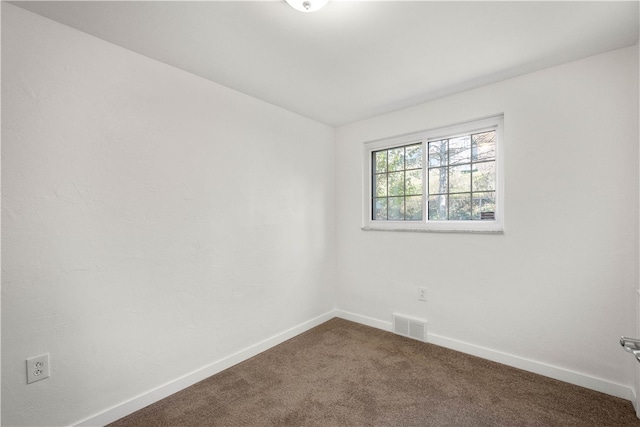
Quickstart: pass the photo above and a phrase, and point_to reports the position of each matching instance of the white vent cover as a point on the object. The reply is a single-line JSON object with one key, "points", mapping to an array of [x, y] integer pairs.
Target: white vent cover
{"points": [[411, 328]]}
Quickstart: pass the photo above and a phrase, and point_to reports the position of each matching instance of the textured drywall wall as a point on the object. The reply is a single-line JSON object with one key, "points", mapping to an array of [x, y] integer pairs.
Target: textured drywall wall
{"points": [[637, 365], [153, 222], [558, 287]]}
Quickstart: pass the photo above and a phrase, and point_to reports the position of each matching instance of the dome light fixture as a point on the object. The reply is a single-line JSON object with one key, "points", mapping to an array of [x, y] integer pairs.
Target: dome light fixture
{"points": [[307, 5]]}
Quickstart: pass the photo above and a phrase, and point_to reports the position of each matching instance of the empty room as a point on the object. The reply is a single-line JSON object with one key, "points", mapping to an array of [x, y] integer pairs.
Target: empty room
{"points": [[320, 213]]}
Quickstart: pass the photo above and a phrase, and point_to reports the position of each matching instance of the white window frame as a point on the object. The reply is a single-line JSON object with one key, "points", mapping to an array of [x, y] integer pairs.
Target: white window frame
{"points": [[468, 226]]}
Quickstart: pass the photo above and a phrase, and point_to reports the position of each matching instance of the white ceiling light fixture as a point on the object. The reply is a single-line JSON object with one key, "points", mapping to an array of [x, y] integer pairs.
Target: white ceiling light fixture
{"points": [[307, 5]]}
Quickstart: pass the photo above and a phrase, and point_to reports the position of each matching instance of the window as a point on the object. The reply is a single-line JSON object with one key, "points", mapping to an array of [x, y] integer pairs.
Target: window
{"points": [[447, 179], [397, 183]]}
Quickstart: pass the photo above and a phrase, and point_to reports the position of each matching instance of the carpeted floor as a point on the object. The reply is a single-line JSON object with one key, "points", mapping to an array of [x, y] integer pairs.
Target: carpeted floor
{"points": [[346, 374]]}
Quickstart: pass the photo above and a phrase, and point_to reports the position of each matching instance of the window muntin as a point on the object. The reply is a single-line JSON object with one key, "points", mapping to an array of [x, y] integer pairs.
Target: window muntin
{"points": [[446, 179]]}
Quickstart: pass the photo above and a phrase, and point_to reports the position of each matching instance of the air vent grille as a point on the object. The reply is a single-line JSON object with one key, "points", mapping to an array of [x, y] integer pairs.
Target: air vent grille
{"points": [[410, 327], [488, 215]]}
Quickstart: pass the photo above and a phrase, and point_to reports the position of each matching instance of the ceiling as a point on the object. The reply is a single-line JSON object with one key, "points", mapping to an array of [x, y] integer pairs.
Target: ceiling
{"points": [[353, 59]]}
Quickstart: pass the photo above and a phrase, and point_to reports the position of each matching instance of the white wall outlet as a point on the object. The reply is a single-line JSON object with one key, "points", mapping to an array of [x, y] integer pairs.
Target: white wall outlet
{"points": [[37, 368], [422, 293]]}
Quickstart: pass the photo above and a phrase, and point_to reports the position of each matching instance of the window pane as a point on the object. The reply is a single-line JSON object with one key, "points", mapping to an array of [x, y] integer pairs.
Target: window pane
{"points": [[413, 182], [397, 173], [396, 184], [438, 207], [413, 157], [438, 179], [484, 146], [438, 153], [460, 179], [413, 208], [484, 205], [380, 185], [484, 176], [380, 161], [396, 159], [396, 208], [459, 207], [380, 209], [460, 150]]}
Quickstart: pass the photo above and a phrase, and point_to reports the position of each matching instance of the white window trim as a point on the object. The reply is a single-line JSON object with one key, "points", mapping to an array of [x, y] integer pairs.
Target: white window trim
{"points": [[485, 226]]}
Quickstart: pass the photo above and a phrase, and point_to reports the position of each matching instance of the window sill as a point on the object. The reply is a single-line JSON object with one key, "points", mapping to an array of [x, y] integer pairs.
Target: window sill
{"points": [[435, 230]]}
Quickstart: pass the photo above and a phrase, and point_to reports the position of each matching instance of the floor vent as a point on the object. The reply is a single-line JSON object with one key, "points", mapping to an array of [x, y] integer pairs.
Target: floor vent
{"points": [[408, 327]]}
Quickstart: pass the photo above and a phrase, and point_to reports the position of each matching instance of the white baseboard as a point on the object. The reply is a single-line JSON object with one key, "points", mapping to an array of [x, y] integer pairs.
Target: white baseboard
{"points": [[364, 320], [130, 406], [536, 367], [540, 368]]}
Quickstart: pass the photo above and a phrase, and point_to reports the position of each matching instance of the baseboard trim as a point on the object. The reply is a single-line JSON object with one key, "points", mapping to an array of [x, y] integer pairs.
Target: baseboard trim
{"points": [[130, 406], [364, 320], [529, 365], [536, 367]]}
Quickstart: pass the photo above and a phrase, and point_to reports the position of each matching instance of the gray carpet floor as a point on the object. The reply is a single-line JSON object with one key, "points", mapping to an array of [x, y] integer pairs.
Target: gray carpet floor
{"points": [[346, 374]]}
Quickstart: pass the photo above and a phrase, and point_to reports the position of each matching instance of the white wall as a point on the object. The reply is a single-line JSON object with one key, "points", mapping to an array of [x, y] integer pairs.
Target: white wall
{"points": [[556, 290], [636, 365], [153, 222]]}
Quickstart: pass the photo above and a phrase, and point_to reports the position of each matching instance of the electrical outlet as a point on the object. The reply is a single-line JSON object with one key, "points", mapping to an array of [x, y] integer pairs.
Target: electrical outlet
{"points": [[37, 368], [422, 293]]}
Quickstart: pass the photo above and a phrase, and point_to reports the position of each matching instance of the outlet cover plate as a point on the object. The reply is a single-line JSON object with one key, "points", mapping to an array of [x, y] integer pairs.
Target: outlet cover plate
{"points": [[37, 368]]}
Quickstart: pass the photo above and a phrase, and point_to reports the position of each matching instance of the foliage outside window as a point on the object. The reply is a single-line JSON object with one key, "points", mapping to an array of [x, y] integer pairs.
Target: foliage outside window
{"points": [[447, 179]]}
